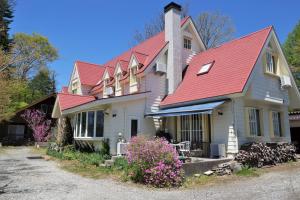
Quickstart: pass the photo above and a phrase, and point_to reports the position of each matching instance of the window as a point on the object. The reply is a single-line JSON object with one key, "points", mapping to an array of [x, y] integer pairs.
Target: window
{"points": [[254, 121], [91, 121], [134, 127], [83, 124], [133, 71], [118, 84], [191, 128], [78, 125], [205, 68], [74, 87], [99, 124], [276, 122], [187, 43], [44, 108], [89, 124], [271, 64]]}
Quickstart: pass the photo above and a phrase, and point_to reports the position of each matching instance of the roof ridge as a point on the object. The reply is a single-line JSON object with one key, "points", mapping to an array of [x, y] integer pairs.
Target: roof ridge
{"points": [[76, 95], [99, 65], [236, 39]]}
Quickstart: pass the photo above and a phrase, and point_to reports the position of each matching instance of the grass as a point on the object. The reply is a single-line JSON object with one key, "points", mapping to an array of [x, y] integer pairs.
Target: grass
{"points": [[249, 172]]}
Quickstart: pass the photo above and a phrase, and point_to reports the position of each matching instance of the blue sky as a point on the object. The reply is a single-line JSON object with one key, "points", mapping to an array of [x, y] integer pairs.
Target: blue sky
{"points": [[97, 30]]}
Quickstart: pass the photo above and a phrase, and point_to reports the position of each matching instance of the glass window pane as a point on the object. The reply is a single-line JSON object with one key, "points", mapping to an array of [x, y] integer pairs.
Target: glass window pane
{"points": [[78, 124], [99, 124], [83, 124], [91, 116]]}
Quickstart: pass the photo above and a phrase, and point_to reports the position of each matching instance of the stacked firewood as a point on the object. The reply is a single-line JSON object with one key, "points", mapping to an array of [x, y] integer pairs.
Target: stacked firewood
{"points": [[261, 154]]}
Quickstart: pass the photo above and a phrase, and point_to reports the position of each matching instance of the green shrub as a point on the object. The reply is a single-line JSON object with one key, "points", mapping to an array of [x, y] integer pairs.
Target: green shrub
{"points": [[121, 163], [55, 154], [105, 148]]}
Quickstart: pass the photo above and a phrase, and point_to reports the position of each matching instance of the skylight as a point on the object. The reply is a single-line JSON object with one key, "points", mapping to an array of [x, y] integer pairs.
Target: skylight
{"points": [[205, 68]]}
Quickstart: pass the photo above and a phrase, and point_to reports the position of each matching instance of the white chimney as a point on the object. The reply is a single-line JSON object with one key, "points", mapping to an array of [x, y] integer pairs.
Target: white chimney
{"points": [[173, 36]]}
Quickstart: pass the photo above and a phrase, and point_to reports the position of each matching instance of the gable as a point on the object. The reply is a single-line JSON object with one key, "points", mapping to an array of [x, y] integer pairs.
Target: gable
{"points": [[233, 64], [266, 86]]}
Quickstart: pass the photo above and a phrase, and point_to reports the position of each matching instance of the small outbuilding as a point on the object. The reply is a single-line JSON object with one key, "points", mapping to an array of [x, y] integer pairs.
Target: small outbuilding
{"points": [[15, 130]]}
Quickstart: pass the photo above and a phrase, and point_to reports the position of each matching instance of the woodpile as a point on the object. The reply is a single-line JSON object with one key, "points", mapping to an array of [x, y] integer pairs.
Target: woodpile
{"points": [[261, 154]]}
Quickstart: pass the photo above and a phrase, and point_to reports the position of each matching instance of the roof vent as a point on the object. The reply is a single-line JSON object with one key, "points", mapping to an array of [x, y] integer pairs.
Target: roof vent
{"points": [[205, 68]]}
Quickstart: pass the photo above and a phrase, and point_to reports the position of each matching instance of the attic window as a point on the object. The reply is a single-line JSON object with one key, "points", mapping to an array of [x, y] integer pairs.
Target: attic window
{"points": [[205, 68]]}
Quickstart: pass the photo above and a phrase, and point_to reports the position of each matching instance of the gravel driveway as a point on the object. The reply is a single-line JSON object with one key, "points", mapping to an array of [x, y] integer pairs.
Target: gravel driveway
{"points": [[23, 178]]}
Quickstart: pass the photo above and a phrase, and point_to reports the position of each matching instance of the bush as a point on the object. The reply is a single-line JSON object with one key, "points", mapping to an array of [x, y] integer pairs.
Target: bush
{"points": [[69, 153], [154, 162], [260, 154]]}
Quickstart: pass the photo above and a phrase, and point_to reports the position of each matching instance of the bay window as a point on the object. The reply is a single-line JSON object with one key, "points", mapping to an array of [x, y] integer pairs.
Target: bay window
{"points": [[83, 124], [89, 124]]}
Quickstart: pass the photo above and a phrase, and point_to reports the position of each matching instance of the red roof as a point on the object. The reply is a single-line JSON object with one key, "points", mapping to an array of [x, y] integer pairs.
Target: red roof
{"points": [[233, 64], [67, 101], [89, 73]]}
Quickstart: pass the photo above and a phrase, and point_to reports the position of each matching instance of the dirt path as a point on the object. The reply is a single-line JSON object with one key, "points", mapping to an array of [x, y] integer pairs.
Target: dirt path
{"points": [[22, 177]]}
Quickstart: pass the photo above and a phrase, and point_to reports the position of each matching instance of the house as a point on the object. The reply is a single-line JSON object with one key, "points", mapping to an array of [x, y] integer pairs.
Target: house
{"points": [[15, 131], [222, 97]]}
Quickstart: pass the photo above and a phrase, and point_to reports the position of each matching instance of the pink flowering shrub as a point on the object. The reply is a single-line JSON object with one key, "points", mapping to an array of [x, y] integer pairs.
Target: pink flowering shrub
{"points": [[154, 162], [39, 124]]}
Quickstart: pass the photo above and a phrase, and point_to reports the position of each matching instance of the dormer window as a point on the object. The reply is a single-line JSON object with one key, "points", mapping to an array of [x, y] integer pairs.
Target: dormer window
{"points": [[133, 79], [205, 68], [74, 87], [187, 43], [270, 63], [118, 84]]}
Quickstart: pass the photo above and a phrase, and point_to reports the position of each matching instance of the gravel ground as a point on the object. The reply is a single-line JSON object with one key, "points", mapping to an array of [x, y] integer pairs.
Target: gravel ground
{"points": [[23, 178]]}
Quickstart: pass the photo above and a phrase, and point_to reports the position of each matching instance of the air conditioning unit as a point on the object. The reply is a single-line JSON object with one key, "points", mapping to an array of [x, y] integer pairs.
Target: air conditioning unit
{"points": [[285, 81], [121, 148], [161, 67], [217, 150], [109, 91]]}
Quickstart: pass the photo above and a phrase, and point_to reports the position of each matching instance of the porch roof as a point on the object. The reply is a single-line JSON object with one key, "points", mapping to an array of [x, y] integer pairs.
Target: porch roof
{"points": [[205, 108]]}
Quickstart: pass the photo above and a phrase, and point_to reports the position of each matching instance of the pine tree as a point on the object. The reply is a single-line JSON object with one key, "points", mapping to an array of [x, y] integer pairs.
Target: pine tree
{"points": [[6, 15]]}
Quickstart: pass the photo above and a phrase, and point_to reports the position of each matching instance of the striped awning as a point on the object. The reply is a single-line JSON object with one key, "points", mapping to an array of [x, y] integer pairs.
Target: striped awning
{"points": [[205, 108]]}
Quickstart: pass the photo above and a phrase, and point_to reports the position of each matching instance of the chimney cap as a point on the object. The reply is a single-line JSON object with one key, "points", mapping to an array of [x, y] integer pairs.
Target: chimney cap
{"points": [[172, 5]]}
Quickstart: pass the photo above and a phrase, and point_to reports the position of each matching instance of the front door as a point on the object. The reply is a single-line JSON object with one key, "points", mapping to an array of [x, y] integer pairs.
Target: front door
{"points": [[134, 127]]}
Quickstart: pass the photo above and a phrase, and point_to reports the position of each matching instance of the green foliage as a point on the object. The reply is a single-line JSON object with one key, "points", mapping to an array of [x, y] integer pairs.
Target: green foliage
{"points": [[42, 84], [105, 148], [31, 52], [69, 153], [6, 15], [247, 171], [291, 49]]}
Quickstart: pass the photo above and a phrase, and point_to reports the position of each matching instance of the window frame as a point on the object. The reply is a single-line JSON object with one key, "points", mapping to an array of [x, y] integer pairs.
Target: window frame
{"points": [[118, 81], [274, 132], [271, 62], [254, 126], [78, 125], [133, 76], [187, 43]]}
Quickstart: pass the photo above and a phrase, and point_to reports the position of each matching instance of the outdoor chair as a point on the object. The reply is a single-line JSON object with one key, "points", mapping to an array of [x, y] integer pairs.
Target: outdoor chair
{"points": [[185, 148]]}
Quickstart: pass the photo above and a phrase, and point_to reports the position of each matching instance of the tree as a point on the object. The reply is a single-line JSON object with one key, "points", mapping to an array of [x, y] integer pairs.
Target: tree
{"points": [[291, 48], [42, 84], [156, 25], [39, 124], [31, 52], [214, 28], [6, 15]]}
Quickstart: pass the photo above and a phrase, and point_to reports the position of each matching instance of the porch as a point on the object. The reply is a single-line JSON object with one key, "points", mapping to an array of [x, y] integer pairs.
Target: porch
{"points": [[189, 124]]}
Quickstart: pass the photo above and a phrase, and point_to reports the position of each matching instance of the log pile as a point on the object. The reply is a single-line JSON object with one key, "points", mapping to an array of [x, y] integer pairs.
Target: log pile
{"points": [[261, 154]]}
